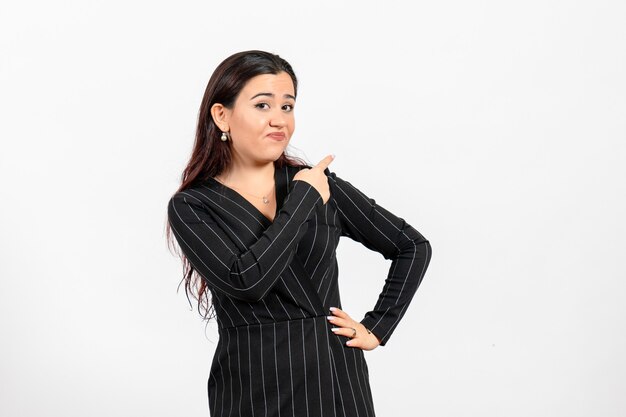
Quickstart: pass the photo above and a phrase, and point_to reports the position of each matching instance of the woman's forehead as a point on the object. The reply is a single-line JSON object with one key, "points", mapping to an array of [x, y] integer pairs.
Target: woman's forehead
{"points": [[273, 85]]}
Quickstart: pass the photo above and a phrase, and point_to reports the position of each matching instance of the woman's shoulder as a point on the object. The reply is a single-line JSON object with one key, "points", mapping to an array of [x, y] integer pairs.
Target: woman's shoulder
{"points": [[206, 193]]}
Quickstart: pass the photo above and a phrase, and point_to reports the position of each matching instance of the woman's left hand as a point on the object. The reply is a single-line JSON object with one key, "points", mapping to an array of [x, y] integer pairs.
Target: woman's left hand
{"points": [[343, 326]]}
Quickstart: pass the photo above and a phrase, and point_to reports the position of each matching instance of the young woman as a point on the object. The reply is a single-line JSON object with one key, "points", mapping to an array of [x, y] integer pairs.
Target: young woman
{"points": [[258, 230]]}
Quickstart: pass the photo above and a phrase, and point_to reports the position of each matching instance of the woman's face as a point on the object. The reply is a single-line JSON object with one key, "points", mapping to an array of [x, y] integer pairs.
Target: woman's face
{"points": [[261, 121]]}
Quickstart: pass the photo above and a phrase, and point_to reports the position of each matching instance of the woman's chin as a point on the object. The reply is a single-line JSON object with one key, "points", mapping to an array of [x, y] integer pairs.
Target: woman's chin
{"points": [[268, 157], [277, 152]]}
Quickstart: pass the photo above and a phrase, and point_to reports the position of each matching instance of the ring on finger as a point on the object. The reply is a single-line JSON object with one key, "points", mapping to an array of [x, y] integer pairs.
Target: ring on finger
{"points": [[353, 332]]}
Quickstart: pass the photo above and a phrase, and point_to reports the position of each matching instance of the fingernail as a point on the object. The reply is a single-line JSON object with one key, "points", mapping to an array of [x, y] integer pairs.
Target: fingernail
{"points": [[333, 308], [330, 317], [334, 329], [348, 342]]}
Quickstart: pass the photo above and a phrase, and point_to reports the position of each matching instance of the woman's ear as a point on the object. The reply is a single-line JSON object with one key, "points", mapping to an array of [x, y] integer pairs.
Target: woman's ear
{"points": [[220, 116]]}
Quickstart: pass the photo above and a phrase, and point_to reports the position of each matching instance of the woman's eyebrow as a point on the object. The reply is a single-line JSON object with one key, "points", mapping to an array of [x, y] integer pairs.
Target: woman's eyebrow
{"points": [[272, 95]]}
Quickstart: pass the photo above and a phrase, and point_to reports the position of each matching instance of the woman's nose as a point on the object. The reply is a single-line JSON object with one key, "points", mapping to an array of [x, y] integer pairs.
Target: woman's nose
{"points": [[278, 120]]}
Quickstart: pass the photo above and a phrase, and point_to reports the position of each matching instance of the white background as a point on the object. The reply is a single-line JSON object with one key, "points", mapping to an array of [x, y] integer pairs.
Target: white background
{"points": [[500, 132]]}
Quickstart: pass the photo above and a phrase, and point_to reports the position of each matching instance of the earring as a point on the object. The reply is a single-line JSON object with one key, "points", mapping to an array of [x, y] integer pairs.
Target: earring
{"points": [[224, 136]]}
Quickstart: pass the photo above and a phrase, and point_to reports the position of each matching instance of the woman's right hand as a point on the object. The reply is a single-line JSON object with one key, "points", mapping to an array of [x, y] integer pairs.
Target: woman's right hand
{"points": [[316, 177]]}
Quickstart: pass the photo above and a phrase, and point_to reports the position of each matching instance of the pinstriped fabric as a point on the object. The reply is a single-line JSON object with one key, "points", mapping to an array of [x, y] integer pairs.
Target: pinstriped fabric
{"points": [[272, 283]]}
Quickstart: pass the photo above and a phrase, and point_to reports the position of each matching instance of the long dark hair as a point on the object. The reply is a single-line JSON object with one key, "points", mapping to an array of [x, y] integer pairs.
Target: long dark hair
{"points": [[210, 155]]}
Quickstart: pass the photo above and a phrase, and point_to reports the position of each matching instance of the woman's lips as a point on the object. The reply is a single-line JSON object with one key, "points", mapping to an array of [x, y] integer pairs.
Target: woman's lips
{"points": [[277, 136]]}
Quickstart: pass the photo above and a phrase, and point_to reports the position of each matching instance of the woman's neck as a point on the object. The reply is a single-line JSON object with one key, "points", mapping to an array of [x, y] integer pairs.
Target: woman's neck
{"points": [[247, 176]]}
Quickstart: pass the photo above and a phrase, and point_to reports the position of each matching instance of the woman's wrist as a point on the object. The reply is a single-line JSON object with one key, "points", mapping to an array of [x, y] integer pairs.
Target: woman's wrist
{"points": [[370, 332]]}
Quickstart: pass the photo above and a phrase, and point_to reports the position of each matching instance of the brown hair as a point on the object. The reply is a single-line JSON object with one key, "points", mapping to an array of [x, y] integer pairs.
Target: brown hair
{"points": [[210, 155]]}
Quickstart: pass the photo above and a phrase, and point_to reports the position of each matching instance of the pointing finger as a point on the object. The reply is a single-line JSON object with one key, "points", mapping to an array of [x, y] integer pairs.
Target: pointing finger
{"points": [[323, 164]]}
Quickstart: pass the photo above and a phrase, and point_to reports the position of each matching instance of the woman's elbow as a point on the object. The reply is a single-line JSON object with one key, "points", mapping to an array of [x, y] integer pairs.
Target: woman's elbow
{"points": [[426, 251], [250, 286]]}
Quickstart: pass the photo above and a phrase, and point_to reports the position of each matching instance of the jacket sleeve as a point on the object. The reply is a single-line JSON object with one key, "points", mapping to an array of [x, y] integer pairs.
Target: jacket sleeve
{"points": [[247, 275], [364, 221]]}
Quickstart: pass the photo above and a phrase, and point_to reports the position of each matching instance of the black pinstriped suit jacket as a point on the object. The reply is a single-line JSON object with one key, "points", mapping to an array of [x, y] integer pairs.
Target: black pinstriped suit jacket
{"points": [[272, 284]]}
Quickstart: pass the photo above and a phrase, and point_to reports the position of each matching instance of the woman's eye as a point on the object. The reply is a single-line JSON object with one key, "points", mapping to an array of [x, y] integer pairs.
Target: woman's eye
{"points": [[289, 107], [261, 105]]}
